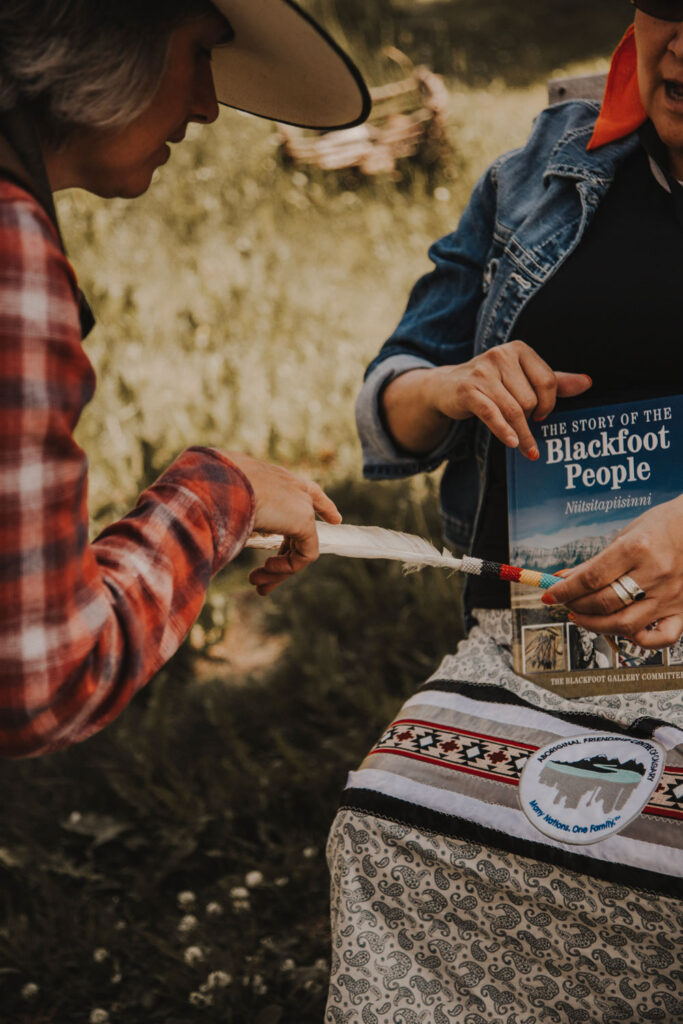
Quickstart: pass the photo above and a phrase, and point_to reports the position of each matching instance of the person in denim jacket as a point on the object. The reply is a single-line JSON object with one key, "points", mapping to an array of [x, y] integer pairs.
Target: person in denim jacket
{"points": [[528, 214], [462, 316], [561, 282]]}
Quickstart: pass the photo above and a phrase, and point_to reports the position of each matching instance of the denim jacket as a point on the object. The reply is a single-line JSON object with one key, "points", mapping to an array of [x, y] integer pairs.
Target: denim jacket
{"points": [[526, 215]]}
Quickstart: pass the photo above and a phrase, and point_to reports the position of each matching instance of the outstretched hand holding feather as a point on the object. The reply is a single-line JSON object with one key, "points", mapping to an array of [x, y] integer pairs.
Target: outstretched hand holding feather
{"points": [[414, 552]]}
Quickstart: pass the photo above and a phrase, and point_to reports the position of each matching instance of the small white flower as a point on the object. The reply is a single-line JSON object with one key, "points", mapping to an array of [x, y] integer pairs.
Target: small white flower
{"points": [[100, 955], [99, 1017], [186, 899], [200, 999], [29, 991], [188, 923], [75, 817], [259, 985], [219, 979], [253, 878], [281, 882], [120, 926], [299, 179], [116, 978], [193, 955], [240, 897], [309, 984], [321, 965], [309, 852], [288, 964], [442, 194], [214, 909]]}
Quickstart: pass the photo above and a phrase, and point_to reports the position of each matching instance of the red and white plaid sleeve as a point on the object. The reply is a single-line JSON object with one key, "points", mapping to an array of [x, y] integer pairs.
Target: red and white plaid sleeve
{"points": [[84, 625]]}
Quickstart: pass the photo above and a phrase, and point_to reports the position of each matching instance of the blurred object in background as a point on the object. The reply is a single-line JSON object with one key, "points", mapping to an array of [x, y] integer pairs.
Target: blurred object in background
{"points": [[576, 87], [407, 122], [477, 41]]}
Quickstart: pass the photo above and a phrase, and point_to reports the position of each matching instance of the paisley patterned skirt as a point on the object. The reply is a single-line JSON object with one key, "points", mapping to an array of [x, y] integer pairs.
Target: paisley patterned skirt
{"points": [[448, 905]]}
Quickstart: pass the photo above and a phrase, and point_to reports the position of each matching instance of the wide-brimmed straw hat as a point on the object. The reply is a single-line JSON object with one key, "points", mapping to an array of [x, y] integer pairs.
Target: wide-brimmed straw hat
{"points": [[282, 65]]}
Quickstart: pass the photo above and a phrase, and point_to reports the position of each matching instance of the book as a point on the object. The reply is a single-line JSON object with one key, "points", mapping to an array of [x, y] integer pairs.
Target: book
{"points": [[599, 469]]}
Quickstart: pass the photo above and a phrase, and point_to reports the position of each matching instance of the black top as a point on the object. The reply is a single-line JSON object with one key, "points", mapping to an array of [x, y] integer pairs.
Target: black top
{"points": [[612, 310]]}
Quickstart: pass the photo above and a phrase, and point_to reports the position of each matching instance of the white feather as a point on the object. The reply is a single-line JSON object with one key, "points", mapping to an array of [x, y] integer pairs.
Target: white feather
{"points": [[370, 542]]}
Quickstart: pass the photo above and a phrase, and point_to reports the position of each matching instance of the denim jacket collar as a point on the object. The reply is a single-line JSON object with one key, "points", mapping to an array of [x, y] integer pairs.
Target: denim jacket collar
{"points": [[569, 158]]}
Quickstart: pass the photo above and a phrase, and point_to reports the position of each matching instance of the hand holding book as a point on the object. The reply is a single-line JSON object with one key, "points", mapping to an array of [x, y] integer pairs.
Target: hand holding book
{"points": [[603, 507], [650, 551]]}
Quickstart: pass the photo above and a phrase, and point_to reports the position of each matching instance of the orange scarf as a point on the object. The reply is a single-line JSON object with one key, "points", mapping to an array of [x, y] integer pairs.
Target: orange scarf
{"points": [[622, 110]]}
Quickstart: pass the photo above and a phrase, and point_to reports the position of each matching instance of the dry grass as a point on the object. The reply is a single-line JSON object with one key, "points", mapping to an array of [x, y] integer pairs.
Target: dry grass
{"points": [[239, 302]]}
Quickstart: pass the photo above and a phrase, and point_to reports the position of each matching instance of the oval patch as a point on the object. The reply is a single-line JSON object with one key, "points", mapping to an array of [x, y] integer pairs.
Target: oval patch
{"points": [[582, 789]]}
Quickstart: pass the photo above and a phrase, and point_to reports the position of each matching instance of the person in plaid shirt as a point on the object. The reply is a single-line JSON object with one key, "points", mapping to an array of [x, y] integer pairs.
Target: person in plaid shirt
{"points": [[90, 97]]}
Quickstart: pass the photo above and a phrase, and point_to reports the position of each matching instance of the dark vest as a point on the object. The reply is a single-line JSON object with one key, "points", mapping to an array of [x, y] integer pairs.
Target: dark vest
{"points": [[21, 161]]}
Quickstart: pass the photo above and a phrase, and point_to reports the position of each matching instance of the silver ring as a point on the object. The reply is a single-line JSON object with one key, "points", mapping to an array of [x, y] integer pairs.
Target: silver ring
{"points": [[621, 592], [635, 592]]}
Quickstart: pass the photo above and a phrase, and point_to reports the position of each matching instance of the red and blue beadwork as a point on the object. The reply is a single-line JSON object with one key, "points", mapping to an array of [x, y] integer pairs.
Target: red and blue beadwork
{"points": [[511, 573]]}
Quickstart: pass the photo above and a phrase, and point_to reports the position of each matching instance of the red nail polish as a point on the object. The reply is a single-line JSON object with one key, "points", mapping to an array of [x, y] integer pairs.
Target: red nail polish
{"points": [[572, 616], [548, 599]]}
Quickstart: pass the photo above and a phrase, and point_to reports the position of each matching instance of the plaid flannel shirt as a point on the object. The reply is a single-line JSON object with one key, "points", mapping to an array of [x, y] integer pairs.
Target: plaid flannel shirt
{"points": [[84, 625]]}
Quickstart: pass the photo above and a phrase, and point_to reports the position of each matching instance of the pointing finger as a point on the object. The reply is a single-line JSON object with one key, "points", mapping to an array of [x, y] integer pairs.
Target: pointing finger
{"points": [[324, 505], [571, 384]]}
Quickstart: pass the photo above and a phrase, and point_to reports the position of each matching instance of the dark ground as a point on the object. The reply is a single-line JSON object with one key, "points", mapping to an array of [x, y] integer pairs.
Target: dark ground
{"points": [[194, 787]]}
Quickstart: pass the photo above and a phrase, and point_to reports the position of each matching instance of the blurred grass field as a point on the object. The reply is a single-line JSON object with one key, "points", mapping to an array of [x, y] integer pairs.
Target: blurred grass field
{"points": [[172, 869], [239, 302]]}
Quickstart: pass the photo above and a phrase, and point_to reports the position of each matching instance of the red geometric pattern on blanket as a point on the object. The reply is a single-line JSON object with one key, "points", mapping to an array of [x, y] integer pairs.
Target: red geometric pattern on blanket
{"points": [[497, 759]]}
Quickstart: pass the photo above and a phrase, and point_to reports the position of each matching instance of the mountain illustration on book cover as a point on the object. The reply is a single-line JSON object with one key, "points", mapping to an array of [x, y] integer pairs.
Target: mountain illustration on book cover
{"points": [[599, 468]]}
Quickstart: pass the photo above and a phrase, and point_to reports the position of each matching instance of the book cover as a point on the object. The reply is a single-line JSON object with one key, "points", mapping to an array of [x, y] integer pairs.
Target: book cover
{"points": [[599, 468]]}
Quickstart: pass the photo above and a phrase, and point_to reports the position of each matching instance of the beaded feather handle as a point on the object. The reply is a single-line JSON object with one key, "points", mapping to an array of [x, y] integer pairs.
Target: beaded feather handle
{"points": [[412, 551]]}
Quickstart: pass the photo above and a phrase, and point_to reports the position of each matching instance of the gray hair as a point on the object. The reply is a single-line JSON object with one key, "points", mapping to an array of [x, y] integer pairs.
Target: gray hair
{"points": [[86, 63]]}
